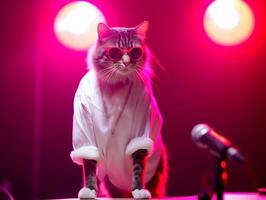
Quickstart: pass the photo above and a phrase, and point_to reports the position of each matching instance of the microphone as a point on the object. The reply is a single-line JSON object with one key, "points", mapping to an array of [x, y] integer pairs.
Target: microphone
{"points": [[204, 136]]}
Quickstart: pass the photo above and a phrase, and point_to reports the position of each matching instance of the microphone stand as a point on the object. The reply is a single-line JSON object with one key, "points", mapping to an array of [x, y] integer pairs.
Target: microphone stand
{"points": [[218, 181], [220, 177]]}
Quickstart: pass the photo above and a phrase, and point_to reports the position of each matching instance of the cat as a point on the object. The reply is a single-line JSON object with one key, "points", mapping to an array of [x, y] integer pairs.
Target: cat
{"points": [[117, 123]]}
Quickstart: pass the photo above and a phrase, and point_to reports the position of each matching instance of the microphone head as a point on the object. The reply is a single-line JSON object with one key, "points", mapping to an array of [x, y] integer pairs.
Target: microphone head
{"points": [[199, 130], [205, 137]]}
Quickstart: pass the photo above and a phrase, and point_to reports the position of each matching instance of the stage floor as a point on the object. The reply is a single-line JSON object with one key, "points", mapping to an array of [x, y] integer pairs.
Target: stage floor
{"points": [[228, 196]]}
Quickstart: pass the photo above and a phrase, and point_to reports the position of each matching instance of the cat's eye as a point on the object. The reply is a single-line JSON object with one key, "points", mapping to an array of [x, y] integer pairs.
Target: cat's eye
{"points": [[135, 53], [116, 54]]}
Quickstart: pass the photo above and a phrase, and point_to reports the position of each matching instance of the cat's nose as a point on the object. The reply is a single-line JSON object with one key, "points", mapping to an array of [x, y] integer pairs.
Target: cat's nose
{"points": [[126, 59]]}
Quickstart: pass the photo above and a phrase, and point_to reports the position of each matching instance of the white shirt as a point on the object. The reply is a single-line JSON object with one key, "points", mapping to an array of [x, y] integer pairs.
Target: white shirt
{"points": [[110, 124]]}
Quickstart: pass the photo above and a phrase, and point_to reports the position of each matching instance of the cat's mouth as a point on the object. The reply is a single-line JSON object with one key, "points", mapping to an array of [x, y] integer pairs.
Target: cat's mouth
{"points": [[124, 70]]}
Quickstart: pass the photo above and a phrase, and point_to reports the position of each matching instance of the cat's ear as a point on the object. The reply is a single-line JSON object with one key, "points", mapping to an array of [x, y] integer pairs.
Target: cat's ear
{"points": [[103, 30], [142, 28]]}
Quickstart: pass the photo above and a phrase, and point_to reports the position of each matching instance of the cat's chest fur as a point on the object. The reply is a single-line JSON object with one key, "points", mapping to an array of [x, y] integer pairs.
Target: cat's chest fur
{"points": [[115, 99]]}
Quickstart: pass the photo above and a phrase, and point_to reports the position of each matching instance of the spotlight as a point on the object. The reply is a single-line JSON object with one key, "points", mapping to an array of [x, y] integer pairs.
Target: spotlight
{"points": [[76, 23], [228, 22]]}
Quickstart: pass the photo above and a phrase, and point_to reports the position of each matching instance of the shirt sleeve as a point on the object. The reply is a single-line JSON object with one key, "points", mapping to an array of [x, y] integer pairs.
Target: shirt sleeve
{"points": [[149, 124], [84, 142]]}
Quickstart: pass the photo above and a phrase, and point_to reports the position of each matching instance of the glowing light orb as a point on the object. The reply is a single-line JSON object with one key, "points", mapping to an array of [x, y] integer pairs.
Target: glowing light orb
{"points": [[228, 22], [76, 23]]}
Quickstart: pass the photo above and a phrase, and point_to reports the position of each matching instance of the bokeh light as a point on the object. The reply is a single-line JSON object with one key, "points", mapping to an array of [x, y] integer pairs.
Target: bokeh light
{"points": [[76, 23], [228, 22]]}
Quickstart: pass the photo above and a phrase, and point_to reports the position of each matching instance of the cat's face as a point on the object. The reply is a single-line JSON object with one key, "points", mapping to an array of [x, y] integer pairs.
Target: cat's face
{"points": [[120, 52]]}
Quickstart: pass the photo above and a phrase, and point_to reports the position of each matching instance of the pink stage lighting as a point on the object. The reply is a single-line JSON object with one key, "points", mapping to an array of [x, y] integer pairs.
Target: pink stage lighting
{"points": [[76, 23], [228, 22]]}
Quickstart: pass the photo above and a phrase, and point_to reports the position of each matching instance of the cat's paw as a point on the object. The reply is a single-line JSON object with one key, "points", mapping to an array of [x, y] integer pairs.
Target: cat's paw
{"points": [[141, 194], [86, 193]]}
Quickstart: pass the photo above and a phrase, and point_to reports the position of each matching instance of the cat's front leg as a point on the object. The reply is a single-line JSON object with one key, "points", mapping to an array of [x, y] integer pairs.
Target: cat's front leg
{"points": [[139, 162], [90, 189]]}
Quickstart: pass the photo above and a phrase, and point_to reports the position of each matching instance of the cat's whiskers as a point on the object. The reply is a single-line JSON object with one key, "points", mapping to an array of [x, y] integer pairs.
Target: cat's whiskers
{"points": [[140, 77], [107, 69], [111, 75], [139, 74], [135, 77], [106, 73]]}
